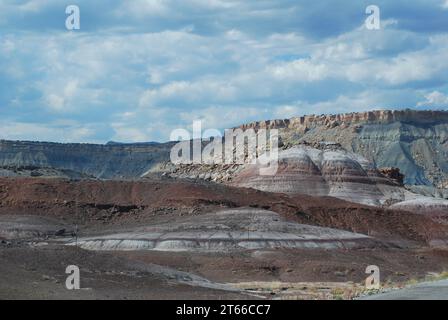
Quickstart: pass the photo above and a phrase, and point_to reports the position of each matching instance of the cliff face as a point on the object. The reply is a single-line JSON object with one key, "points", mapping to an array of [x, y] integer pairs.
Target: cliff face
{"points": [[100, 161], [416, 142], [377, 116], [325, 172]]}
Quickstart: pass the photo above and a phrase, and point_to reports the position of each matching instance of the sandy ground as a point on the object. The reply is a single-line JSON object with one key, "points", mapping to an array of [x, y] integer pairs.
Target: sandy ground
{"points": [[39, 273], [38, 218]]}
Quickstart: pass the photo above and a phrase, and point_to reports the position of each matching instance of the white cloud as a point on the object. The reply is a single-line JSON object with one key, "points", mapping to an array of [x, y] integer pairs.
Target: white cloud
{"points": [[287, 111], [142, 83], [34, 5], [59, 132], [405, 68], [299, 70], [55, 102], [142, 8], [434, 99], [189, 92], [124, 133], [218, 117], [445, 4]]}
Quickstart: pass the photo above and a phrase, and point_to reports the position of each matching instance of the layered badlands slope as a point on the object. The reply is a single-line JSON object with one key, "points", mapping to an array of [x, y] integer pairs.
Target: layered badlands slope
{"points": [[113, 206], [318, 170], [31, 227], [414, 141], [429, 206], [337, 173], [227, 230], [328, 172]]}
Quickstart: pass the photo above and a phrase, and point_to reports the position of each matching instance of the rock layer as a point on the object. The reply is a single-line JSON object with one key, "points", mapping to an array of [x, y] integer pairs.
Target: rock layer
{"points": [[424, 205], [108, 161], [414, 141], [235, 229], [331, 120], [93, 204], [325, 172]]}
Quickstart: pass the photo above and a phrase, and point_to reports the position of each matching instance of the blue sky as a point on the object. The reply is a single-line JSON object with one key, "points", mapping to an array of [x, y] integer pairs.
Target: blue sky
{"points": [[138, 69]]}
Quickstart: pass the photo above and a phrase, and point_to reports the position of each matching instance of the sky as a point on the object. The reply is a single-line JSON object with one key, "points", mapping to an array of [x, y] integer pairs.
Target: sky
{"points": [[138, 69]]}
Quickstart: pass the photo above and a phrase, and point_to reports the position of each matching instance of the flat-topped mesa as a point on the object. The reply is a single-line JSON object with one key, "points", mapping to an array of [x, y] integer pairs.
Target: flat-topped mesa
{"points": [[377, 116], [268, 124], [111, 161]]}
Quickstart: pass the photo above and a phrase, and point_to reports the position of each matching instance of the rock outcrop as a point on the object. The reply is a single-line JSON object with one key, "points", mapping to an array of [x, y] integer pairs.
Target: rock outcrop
{"points": [[325, 172], [228, 230], [425, 205], [94, 205], [414, 141], [332, 120], [318, 169], [393, 173], [110, 161]]}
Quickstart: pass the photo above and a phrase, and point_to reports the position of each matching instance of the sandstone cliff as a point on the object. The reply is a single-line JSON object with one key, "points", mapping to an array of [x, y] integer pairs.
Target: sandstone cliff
{"points": [[378, 116], [416, 142]]}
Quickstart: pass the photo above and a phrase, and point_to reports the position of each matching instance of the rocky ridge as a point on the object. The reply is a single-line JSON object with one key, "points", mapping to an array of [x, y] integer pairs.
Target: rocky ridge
{"points": [[227, 230], [77, 160], [323, 169], [414, 141], [331, 120]]}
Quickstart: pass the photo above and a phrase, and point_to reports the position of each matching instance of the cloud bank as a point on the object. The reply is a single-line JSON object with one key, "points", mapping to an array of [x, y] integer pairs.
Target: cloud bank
{"points": [[138, 69]]}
